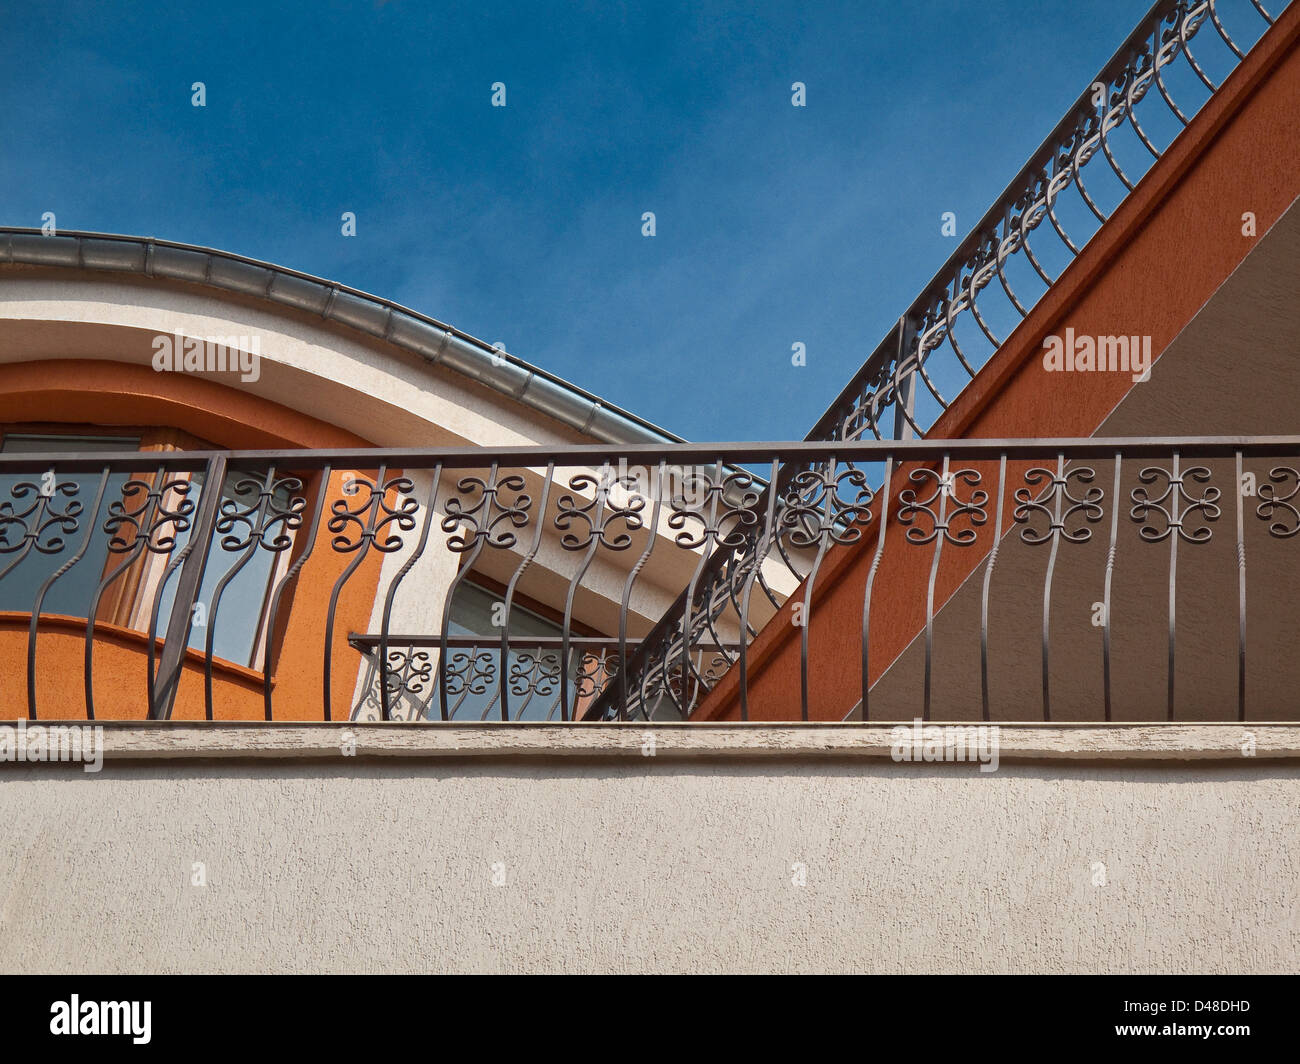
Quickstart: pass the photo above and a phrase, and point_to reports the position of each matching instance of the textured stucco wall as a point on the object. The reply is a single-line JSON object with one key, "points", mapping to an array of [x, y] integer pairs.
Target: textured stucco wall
{"points": [[634, 863]]}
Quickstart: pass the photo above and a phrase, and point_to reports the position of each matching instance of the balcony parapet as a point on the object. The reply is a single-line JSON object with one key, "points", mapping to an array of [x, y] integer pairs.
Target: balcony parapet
{"points": [[352, 560]]}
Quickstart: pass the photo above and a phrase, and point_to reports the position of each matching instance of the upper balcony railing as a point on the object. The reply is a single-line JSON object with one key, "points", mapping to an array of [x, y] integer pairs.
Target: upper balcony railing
{"points": [[1049, 580], [1120, 126]]}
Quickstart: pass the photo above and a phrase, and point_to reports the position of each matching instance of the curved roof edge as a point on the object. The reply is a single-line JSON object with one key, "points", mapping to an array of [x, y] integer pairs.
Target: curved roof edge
{"points": [[438, 343]]}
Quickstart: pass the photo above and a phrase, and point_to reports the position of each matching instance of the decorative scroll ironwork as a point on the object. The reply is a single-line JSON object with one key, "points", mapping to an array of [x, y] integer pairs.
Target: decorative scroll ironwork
{"points": [[408, 678], [469, 672], [824, 503], [1274, 504], [482, 514], [150, 524], [1181, 504], [722, 505], [1044, 501], [364, 525], [261, 519], [943, 506], [40, 524], [534, 672], [599, 518], [596, 670]]}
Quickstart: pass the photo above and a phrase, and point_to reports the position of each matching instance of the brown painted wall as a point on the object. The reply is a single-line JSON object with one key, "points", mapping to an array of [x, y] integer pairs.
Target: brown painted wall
{"points": [[1147, 272]]}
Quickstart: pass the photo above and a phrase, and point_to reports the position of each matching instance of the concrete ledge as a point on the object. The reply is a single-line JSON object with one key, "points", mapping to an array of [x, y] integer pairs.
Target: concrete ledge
{"points": [[150, 740]]}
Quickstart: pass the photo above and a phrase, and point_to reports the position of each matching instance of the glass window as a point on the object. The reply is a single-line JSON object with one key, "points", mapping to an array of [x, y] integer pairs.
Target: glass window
{"points": [[71, 592], [239, 621], [237, 624], [533, 672]]}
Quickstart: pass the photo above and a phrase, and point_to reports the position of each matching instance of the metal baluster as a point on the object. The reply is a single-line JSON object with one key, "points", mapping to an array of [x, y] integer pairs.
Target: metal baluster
{"points": [[886, 491], [455, 516], [1002, 277], [988, 579], [429, 509], [1024, 242], [823, 537], [1106, 595], [761, 547], [1173, 577], [91, 519], [524, 563], [1105, 144], [338, 525], [595, 532], [273, 613], [706, 542], [254, 541], [1058, 491], [163, 695], [941, 529], [658, 489], [1183, 38], [905, 426], [1241, 597], [1159, 64]]}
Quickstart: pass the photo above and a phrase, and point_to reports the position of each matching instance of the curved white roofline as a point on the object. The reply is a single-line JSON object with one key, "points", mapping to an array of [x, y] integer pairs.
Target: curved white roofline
{"points": [[435, 341]]}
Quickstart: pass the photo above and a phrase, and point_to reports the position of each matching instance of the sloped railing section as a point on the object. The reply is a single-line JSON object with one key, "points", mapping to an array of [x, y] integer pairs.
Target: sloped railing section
{"points": [[1122, 124]]}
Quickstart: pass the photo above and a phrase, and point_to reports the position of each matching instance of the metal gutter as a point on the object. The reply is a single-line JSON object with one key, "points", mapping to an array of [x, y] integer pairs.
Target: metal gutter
{"points": [[438, 343]]}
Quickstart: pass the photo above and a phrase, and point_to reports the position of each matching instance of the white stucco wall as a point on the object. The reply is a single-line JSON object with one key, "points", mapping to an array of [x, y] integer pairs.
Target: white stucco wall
{"points": [[615, 861]]}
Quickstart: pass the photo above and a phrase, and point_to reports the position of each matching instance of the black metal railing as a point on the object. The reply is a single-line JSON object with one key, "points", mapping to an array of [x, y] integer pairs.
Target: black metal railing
{"points": [[1096, 565], [529, 687], [134, 542], [1114, 133], [1107, 141]]}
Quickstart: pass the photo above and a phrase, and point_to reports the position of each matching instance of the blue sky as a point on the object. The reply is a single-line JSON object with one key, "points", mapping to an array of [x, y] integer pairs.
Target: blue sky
{"points": [[522, 224]]}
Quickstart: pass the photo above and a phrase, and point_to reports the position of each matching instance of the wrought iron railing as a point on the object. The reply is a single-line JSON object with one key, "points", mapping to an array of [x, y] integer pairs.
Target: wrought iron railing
{"points": [[532, 677], [1083, 171], [752, 524], [472, 679], [1114, 133], [135, 543], [190, 598], [982, 498]]}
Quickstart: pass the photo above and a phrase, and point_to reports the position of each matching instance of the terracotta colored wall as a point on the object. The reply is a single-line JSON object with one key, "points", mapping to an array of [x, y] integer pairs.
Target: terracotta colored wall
{"points": [[81, 392], [1147, 272]]}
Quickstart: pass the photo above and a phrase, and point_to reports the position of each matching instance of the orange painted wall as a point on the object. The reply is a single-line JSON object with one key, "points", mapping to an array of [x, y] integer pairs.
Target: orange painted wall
{"points": [[89, 392], [1147, 272]]}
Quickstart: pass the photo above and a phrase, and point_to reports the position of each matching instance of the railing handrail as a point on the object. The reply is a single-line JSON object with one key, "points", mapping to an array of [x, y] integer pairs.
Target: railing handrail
{"points": [[691, 454]]}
